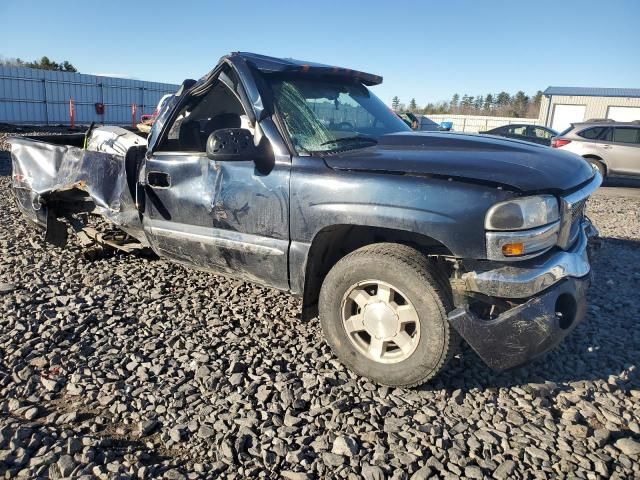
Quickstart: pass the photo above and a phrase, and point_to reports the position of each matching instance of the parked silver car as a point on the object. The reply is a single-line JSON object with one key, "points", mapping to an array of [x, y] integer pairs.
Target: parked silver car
{"points": [[613, 147]]}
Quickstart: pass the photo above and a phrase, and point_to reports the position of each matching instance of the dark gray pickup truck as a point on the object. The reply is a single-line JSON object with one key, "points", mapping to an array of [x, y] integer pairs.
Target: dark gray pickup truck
{"points": [[294, 175]]}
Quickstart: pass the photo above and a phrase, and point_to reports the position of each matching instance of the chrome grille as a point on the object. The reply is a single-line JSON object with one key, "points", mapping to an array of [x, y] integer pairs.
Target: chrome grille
{"points": [[573, 211], [577, 210], [575, 214]]}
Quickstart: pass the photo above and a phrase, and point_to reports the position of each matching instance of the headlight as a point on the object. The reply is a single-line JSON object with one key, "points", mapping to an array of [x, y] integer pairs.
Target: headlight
{"points": [[522, 228], [523, 213]]}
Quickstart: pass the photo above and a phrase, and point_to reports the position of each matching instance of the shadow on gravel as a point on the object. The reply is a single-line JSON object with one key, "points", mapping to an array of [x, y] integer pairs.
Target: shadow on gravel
{"points": [[602, 347], [5, 163]]}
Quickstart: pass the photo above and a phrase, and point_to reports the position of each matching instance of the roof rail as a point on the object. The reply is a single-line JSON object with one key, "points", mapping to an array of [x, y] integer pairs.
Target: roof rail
{"points": [[600, 120]]}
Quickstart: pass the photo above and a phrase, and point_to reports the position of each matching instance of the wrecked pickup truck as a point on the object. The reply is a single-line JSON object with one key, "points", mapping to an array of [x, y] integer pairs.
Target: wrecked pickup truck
{"points": [[295, 176]]}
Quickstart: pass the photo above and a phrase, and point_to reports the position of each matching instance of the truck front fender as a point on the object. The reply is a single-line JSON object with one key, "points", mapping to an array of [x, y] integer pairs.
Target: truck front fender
{"points": [[450, 212]]}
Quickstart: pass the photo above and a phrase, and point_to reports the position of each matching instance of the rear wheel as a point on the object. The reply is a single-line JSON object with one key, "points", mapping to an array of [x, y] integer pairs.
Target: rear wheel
{"points": [[598, 164], [383, 310]]}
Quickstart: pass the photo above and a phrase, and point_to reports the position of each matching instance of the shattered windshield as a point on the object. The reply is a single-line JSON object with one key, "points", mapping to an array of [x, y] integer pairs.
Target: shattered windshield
{"points": [[330, 115]]}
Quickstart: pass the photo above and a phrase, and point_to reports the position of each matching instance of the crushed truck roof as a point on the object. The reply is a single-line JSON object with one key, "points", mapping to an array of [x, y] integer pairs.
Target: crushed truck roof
{"points": [[268, 64]]}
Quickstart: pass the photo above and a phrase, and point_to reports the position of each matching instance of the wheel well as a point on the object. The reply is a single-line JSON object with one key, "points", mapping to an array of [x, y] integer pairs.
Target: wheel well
{"points": [[334, 242], [597, 158]]}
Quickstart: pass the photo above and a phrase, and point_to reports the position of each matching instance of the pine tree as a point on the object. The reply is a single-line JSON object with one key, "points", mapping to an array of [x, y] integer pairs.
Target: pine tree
{"points": [[67, 67], [395, 103], [520, 102], [467, 101], [43, 64], [503, 99], [533, 111], [413, 106], [537, 98], [488, 102], [501, 104]]}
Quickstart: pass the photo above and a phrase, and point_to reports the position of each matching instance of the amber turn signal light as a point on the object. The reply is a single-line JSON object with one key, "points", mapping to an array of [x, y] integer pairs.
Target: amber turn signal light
{"points": [[513, 249]]}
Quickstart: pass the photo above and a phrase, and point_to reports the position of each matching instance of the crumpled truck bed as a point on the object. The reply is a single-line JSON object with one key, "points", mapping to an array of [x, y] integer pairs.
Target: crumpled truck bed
{"points": [[48, 169]]}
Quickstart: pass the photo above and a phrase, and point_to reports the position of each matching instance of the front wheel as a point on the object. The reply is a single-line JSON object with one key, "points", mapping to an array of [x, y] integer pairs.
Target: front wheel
{"points": [[383, 310]]}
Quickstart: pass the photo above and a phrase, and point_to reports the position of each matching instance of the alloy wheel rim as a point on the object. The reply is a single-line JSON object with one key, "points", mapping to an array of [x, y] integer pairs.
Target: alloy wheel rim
{"points": [[380, 321]]}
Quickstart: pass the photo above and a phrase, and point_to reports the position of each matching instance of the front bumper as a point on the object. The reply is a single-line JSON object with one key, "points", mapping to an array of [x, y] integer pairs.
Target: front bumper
{"points": [[536, 326], [528, 278]]}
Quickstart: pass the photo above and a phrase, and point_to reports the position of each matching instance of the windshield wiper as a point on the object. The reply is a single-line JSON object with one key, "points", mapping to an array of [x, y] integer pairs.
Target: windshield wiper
{"points": [[351, 139]]}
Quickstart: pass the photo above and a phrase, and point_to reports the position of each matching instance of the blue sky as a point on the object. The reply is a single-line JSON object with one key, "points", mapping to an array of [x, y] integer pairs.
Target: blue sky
{"points": [[423, 49]]}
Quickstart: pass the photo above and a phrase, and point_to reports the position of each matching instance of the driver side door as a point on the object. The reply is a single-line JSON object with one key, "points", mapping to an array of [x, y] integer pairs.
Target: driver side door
{"points": [[228, 217]]}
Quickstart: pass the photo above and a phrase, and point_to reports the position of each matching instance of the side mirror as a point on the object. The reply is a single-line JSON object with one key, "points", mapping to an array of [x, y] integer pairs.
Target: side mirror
{"points": [[232, 144]]}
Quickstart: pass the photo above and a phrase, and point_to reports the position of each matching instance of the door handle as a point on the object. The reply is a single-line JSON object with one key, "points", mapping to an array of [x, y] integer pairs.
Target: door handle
{"points": [[158, 179]]}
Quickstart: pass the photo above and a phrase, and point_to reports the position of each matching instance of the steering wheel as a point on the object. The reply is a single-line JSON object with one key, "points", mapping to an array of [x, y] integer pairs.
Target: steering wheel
{"points": [[344, 126]]}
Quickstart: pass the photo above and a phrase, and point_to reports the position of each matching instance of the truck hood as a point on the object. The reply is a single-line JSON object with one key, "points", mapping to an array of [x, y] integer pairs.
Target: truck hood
{"points": [[522, 166]]}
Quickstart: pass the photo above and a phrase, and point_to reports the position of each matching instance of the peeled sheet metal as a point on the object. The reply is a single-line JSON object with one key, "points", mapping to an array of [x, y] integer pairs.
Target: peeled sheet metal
{"points": [[114, 140], [105, 171]]}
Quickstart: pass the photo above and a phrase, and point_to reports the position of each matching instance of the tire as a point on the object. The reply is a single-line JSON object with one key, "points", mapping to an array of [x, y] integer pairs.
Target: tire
{"points": [[599, 165], [413, 351]]}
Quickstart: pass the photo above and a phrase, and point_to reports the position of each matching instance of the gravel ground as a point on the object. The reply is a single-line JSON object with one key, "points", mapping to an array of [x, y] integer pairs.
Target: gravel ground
{"points": [[7, 130], [129, 367]]}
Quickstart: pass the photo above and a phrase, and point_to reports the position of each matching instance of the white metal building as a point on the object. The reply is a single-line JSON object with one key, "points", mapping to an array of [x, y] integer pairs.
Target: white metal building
{"points": [[562, 106], [32, 96]]}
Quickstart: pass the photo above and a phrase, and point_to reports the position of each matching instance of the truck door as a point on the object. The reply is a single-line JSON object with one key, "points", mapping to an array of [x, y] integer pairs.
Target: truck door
{"points": [[229, 217]]}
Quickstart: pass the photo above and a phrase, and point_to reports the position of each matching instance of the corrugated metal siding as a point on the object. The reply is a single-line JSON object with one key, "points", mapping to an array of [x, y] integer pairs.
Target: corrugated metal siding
{"points": [[596, 107], [31, 96], [479, 123]]}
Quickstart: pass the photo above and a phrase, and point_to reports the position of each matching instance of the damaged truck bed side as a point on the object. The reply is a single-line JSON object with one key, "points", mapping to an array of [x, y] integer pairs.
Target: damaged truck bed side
{"points": [[294, 175]]}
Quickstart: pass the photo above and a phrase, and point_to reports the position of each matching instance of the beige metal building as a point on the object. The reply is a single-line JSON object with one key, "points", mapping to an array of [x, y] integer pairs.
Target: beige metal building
{"points": [[562, 106]]}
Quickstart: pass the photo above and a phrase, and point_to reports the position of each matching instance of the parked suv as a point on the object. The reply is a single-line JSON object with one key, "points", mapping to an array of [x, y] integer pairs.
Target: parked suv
{"points": [[613, 147]]}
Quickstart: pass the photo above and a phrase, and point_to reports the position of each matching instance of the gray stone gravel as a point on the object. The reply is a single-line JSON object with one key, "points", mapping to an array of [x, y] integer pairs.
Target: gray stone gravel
{"points": [[7, 130], [127, 367]]}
